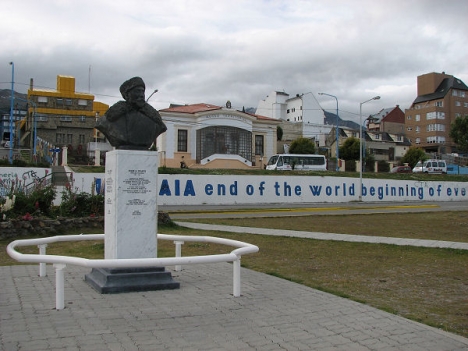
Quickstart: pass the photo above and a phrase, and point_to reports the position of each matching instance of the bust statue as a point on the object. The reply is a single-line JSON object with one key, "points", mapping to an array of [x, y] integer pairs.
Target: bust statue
{"points": [[132, 124]]}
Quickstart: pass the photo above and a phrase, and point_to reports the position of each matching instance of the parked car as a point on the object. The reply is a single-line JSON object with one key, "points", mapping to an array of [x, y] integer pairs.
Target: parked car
{"points": [[431, 166], [401, 169]]}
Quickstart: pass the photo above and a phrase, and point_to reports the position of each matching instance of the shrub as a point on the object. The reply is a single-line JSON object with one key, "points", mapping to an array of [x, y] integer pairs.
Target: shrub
{"points": [[80, 204], [383, 166], [39, 201]]}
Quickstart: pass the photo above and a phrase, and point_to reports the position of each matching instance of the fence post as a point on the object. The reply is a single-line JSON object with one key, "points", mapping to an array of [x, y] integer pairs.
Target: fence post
{"points": [[236, 278], [42, 265], [59, 286], [178, 253]]}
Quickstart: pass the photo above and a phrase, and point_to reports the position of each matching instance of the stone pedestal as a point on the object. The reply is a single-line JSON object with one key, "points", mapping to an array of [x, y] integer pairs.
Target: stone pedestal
{"points": [[130, 225]]}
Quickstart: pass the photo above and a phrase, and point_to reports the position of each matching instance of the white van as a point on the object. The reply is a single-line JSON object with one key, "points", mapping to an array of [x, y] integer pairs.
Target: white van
{"points": [[299, 162], [431, 166]]}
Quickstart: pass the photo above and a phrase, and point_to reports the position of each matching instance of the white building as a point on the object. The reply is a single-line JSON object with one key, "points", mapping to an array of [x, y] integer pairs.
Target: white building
{"points": [[209, 136], [301, 115]]}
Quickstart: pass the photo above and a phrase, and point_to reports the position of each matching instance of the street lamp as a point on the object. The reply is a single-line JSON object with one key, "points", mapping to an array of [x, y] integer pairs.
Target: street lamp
{"points": [[154, 92], [337, 139], [360, 144], [12, 99]]}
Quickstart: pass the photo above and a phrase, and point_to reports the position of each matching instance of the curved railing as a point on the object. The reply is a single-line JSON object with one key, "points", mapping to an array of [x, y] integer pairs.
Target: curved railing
{"points": [[60, 262]]}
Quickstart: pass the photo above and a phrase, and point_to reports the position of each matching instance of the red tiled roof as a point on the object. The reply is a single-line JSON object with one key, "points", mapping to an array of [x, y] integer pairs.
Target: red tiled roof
{"points": [[260, 117], [195, 108]]}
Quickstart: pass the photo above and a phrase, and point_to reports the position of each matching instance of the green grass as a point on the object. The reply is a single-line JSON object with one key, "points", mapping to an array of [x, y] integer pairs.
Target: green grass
{"points": [[424, 284]]}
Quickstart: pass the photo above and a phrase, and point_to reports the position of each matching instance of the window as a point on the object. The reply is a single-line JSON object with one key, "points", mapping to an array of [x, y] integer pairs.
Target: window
{"points": [[418, 129], [408, 118], [439, 104], [82, 118], [435, 127], [69, 138], [182, 138], [457, 103], [68, 102], [41, 118], [417, 117], [59, 102], [461, 94], [81, 139], [435, 140], [259, 145], [42, 99], [82, 102], [60, 138], [65, 118], [409, 129], [224, 140], [435, 115], [418, 140]]}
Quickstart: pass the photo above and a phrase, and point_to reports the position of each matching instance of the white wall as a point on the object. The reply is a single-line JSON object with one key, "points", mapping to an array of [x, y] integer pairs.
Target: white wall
{"points": [[234, 189], [211, 189]]}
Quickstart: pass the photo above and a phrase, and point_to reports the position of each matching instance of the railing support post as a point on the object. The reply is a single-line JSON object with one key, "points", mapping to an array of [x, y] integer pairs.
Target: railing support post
{"points": [[178, 253], [42, 265], [236, 278], [59, 286]]}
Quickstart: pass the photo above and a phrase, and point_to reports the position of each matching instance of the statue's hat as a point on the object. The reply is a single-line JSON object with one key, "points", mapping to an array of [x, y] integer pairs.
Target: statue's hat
{"points": [[130, 84]]}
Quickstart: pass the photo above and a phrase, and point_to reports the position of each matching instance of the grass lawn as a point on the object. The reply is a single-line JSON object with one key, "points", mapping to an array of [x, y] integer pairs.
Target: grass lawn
{"points": [[424, 284]]}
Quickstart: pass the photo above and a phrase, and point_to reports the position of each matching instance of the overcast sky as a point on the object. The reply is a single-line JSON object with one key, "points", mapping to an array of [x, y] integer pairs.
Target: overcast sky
{"points": [[212, 51]]}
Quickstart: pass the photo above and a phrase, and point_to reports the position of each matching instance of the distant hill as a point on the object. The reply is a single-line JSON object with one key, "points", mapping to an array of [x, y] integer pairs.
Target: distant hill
{"points": [[5, 96], [330, 119]]}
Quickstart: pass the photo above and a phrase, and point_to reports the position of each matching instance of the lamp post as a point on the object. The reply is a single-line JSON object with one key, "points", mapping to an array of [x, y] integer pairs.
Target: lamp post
{"points": [[12, 99], [337, 133], [360, 144], [154, 92]]}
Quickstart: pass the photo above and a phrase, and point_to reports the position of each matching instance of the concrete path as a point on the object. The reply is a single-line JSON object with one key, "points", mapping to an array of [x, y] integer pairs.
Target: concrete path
{"points": [[329, 236], [271, 314]]}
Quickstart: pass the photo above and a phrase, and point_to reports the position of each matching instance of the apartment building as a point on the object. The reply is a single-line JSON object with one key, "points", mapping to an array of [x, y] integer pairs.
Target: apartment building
{"points": [[441, 98], [63, 117]]}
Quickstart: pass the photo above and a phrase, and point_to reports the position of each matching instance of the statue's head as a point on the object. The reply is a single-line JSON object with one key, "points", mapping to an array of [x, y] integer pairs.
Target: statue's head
{"points": [[133, 91]]}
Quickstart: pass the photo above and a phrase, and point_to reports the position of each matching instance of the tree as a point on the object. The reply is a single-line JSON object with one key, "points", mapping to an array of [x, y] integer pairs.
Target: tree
{"points": [[350, 149], [459, 132], [302, 146], [413, 155], [279, 133]]}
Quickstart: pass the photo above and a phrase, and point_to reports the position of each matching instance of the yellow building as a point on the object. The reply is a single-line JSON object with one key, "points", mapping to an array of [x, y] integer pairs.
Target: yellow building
{"points": [[62, 117]]}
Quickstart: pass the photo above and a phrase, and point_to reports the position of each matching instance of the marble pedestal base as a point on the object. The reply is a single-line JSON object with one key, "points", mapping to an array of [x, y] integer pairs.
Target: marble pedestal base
{"points": [[120, 280]]}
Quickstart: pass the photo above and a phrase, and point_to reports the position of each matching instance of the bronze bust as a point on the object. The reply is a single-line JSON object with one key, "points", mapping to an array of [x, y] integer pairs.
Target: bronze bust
{"points": [[132, 124]]}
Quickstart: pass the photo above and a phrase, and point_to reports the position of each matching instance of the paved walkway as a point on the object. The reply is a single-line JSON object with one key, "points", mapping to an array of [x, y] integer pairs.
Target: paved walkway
{"points": [[271, 314], [330, 236]]}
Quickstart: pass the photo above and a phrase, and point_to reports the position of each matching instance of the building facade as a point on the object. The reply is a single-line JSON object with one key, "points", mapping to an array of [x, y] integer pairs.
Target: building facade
{"points": [[441, 98], [389, 120], [300, 116], [209, 136], [63, 117]]}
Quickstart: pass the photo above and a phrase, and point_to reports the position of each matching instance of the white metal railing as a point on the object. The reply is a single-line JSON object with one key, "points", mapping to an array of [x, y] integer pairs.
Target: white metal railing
{"points": [[60, 262]]}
